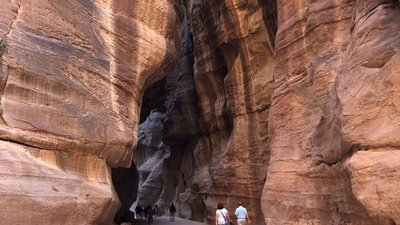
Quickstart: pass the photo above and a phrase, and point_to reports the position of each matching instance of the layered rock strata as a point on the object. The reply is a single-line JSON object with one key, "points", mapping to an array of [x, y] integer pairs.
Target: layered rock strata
{"points": [[288, 106], [333, 119], [218, 162], [72, 76], [41, 186], [233, 76]]}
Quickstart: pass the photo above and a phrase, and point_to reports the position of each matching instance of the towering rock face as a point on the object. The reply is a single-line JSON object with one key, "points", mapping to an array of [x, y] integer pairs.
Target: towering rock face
{"points": [[327, 147], [291, 107], [227, 46], [233, 76], [334, 117], [368, 88], [169, 134], [72, 74]]}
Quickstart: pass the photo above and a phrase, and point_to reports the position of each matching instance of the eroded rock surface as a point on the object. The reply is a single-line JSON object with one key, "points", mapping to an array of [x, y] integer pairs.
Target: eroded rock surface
{"points": [[72, 75], [168, 136], [233, 77], [291, 107], [149, 158], [335, 95], [40, 186]]}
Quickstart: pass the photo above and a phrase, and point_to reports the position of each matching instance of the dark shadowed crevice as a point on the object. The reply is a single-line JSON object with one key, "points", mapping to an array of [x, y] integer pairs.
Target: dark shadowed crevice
{"points": [[270, 14], [230, 53], [168, 133], [125, 181], [153, 98]]}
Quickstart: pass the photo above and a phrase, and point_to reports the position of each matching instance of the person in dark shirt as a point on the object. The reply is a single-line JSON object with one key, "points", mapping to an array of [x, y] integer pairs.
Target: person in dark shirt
{"points": [[172, 211], [149, 212]]}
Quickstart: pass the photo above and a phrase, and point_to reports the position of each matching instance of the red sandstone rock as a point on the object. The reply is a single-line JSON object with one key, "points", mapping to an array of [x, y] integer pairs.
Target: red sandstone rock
{"points": [[300, 123], [71, 80], [233, 77], [335, 95]]}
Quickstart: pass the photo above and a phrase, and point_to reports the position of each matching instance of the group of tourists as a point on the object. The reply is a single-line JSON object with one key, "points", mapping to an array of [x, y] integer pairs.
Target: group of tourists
{"points": [[222, 215], [148, 212]]}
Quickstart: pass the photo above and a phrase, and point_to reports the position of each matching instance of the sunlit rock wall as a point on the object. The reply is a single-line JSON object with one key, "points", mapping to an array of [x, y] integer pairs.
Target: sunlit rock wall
{"points": [[334, 119], [291, 107], [72, 75]]}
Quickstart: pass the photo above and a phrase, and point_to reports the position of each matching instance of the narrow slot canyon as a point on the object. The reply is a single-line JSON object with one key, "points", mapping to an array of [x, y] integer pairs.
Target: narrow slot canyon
{"points": [[289, 107]]}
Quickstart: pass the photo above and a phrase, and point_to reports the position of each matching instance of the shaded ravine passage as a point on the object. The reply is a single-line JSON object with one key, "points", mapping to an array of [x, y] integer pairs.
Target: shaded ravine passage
{"points": [[167, 134], [315, 70], [166, 138], [147, 48], [198, 129]]}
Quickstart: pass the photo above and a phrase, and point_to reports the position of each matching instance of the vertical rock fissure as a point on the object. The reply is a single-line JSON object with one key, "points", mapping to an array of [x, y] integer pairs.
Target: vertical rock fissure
{"points": [[168, 134], [291, 107]]}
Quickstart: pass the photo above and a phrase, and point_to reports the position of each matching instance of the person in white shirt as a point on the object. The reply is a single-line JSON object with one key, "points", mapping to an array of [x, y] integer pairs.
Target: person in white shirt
{"points": [[221, 215], [241, 215]]}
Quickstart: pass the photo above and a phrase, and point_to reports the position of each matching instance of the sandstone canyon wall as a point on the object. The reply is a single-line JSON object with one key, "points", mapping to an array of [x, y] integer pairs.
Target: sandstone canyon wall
{"points": [[72, 76], [334, 118], [221, 144], [233, 76], [316, 89], [291, 107]]}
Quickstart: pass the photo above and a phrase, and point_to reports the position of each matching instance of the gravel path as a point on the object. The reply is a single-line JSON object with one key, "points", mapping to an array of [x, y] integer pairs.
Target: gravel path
{"points": [[164, 220]]}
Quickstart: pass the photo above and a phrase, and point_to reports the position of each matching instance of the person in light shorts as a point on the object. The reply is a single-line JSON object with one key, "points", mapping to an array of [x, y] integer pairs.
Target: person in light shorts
{"points": [[241, 215]]}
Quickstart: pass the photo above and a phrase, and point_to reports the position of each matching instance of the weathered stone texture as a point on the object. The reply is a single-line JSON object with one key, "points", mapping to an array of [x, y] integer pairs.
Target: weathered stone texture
{"points": [[54, 54], [368, 90], [169, 140], [149, 158], [233, 77], [53, 187], [73, 73], [335, 94], [374, 174], [291, 107], [203, 179]]}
